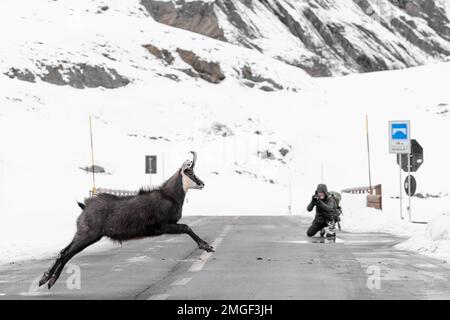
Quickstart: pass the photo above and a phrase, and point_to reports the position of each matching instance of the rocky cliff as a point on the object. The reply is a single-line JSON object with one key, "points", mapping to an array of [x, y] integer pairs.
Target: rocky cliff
{"points": [[323, 37]]}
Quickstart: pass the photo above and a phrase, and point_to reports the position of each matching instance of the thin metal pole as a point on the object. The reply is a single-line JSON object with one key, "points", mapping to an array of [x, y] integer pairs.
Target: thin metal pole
{"points": [[401, 195], [409, 186], [321, 173], [163, 168], [92, 156], [290, 193], [368, 153], [150, 167]]}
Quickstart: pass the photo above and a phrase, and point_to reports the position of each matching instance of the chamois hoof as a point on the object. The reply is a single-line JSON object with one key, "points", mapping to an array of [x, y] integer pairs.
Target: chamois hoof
{"points": [[44, 279], [51, 282], [205, 246]]}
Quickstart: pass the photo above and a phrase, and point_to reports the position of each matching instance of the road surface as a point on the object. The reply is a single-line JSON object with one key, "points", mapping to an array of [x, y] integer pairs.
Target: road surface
{"points": [[257, 257]]}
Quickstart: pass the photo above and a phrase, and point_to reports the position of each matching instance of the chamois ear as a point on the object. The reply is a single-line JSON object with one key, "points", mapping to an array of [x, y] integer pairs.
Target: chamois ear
{"points": [[186, 165]]}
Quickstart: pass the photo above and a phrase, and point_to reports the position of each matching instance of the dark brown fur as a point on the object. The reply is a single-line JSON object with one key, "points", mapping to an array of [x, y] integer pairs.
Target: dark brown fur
{"points": [[149, 213]]}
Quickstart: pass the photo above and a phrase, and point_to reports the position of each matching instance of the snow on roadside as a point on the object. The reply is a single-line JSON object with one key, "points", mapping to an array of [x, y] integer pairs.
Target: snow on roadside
{"points": [[435, 242], [431, 237]]}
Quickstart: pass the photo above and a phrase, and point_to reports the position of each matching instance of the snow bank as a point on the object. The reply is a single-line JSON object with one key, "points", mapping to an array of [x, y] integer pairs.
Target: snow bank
{"points": [[435, 242]]}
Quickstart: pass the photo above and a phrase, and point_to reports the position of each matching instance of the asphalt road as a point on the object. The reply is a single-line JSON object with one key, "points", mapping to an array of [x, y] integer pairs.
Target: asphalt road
{"points": [[257, 257]]}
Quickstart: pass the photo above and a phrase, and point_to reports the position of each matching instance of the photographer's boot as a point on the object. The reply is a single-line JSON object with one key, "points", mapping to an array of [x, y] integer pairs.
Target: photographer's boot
{"points": [[322, 232]]}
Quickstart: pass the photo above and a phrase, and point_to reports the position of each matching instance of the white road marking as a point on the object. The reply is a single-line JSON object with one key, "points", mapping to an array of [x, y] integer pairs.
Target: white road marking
{"points": [[171, 240], [2, 294], [367, 241], [197, 265], [181, 282], [200, 263], [314, 241], [35, 290], [139, 259], [225, 231], [425, 265], [32, 294], [159, 297]]}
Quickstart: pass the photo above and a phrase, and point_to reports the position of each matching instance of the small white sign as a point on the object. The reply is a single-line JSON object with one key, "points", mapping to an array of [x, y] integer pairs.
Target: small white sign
{"points": [[399, 136]]}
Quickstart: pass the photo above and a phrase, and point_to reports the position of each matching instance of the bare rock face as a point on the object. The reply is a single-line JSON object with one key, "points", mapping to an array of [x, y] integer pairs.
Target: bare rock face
{"points": [[24, 75], [195, 16], [209, 71], [248, 74], [162, 54], [79, 76], [322, 37], [94, 168], [428, 10]]}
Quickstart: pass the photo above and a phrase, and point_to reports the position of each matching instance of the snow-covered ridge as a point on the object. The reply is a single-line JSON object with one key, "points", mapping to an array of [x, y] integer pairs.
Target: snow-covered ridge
{"points": [[84, 44], [326, 37]]}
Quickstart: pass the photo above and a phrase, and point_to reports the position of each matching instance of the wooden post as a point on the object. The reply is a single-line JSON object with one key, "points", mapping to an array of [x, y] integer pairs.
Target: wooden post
{"points": [[92, 156], [368, 152]]}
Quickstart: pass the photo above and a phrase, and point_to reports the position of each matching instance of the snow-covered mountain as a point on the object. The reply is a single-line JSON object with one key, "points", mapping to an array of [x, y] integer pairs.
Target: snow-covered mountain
{"points": [[323, 37]]}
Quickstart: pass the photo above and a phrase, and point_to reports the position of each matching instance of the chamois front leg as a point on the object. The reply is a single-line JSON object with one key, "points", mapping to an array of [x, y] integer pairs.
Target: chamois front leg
{"points": [[174, 228]]}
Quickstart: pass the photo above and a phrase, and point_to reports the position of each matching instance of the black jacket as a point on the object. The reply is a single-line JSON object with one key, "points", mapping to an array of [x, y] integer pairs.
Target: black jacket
{"points": [[325, 208]]}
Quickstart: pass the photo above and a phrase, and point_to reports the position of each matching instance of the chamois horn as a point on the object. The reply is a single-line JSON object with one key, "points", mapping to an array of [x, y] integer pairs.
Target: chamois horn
{"points": [[194, 154]]}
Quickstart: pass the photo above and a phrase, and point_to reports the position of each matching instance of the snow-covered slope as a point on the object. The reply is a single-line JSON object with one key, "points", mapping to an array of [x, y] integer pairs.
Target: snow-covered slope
{"points": [[323, 37], [263, 129]]}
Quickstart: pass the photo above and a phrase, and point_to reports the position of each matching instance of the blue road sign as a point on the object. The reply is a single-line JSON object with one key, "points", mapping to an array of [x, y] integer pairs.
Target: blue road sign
{"points": [[400, 137], [399, 131]]}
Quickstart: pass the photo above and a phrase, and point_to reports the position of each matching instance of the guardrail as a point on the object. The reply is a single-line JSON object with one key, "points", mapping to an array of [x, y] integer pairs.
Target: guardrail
{"points": [[116, 192], [357, 190], [374, 195]]}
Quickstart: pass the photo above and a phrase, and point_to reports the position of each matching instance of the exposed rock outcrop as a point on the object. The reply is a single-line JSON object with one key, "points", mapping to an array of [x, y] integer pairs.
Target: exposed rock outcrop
{"points": [[79, 76], [162, 54], [248, 74], [24, 75], [94, 168], [324, 38], [209, 71], [196, 16]]}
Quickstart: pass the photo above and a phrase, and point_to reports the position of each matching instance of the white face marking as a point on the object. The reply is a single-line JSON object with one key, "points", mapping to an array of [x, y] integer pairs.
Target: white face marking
{"points": [[187, 182]]}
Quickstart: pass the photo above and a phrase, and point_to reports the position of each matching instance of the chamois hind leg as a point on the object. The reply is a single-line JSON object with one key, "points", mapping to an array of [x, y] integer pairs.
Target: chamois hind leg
{"points": [[175, 228], [76, 247], [46, 276]]}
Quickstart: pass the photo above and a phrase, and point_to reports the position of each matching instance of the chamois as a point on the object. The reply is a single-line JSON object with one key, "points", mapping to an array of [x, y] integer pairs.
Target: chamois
{"points": [[151, 212]]}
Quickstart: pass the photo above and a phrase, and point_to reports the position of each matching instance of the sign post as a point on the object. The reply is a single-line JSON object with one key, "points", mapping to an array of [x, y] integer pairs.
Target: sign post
{"points": [[92, 156], [368, 153], [150, 166], [409, 186], [401, 194], [400, 143]]}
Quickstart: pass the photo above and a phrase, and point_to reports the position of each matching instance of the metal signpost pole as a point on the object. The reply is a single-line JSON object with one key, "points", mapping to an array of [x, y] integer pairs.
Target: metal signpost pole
{"points": [[290, 195], [400, 143], [409, 186], [401, 195], [163, 168], [150, 173], [321, 173]]}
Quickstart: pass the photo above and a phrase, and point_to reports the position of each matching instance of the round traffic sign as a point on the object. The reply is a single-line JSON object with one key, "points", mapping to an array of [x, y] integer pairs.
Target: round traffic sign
{"points": [[413, 185]]}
